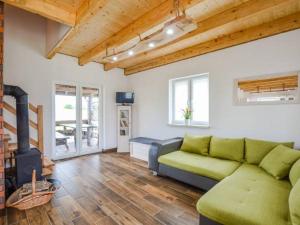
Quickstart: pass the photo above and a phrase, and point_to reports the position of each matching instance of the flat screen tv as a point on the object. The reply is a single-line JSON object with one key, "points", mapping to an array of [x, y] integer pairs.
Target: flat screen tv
{"points": [[125, 97]]}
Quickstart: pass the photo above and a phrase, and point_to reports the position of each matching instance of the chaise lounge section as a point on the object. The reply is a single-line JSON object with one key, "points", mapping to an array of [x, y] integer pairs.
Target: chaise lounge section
{"points": [[248, 182]]}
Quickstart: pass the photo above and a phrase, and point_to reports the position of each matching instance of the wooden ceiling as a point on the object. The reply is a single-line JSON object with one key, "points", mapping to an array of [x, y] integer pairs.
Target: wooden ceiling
{"points": [[98, 26], [63, 11]]}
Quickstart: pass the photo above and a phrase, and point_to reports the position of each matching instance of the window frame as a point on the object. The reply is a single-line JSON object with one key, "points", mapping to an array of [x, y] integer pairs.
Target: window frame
{"points": [[189, 79]]}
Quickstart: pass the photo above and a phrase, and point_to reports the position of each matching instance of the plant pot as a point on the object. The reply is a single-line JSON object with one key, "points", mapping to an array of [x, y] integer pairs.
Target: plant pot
{"points": [[187, 122]]}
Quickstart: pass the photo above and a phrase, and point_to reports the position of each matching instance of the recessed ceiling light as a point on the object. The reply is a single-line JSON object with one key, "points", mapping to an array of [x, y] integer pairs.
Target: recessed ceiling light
{"points": [[130, 53], [115, 58], [170, 31], [151, 45]]}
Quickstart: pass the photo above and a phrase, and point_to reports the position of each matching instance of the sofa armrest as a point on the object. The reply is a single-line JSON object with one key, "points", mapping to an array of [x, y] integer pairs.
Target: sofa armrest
{"points": [[161, 148]]}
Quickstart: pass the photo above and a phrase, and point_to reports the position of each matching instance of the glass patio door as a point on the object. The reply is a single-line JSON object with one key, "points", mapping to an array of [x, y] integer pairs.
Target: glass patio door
{"points": [[65, 121], [77, 123]]}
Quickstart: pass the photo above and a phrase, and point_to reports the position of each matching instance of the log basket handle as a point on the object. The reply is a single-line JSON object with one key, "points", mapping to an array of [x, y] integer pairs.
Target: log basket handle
{"points": [[33, 181]]}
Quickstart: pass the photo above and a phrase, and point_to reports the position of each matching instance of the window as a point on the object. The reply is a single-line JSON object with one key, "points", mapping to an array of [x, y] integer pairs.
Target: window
{"points": [[192, 92]]}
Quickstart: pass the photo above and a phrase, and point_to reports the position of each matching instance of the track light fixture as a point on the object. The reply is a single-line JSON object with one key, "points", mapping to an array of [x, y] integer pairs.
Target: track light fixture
{"points": [[168, 32]]}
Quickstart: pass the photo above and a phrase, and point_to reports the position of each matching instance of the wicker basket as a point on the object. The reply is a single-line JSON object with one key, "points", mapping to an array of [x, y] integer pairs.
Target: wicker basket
{"points": [[35, 198]]}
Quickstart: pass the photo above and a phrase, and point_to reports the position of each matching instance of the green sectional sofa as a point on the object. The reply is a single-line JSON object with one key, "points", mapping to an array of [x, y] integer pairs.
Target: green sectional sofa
{"points": [[248, 182]]}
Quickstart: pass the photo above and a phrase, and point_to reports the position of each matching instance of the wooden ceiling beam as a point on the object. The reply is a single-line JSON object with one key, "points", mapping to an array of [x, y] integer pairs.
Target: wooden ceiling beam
{"points": [[59, 44], [86, 11], [278, 26], [50, 10], [147, 21], [233, 14]]}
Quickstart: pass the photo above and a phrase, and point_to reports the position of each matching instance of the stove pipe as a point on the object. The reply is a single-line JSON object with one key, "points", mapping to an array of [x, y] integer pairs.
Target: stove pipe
{"points": [[22, 116]]}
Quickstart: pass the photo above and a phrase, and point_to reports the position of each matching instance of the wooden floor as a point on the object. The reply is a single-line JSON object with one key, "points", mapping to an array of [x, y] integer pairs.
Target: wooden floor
{"points": [[112, 188]]}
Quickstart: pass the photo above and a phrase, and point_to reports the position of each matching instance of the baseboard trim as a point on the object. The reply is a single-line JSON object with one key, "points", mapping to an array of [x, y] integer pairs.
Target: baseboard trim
{"points": [[109, 150]]}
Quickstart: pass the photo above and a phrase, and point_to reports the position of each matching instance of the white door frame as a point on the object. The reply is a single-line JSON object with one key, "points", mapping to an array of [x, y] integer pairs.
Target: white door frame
{"points": [[101, 132]]}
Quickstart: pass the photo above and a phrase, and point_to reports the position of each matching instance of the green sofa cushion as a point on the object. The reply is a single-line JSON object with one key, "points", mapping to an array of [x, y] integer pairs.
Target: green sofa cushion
{"points": [[294, 203], [250, 196], [202, 165], [256, 150], [295, 173], [227, 148], [279, 161], [196, 144]]}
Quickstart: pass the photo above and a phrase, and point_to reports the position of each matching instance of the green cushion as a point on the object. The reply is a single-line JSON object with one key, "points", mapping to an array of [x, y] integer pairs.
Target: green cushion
{"points": [[196, 144], [227, 148], [256, 150], [294, 204], [279, 161], [295, 173], [250, 196], [203, 165]]}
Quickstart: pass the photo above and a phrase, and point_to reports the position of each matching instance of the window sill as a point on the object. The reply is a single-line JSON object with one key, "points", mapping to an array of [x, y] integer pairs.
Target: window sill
{"points": [[185, 125]]}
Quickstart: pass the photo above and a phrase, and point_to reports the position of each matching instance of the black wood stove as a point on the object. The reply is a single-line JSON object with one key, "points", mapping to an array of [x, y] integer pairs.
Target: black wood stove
{"points": [[27, 159]]}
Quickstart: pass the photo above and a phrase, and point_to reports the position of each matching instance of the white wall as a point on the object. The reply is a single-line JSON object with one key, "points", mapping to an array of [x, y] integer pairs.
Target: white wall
{"points": [[25, 65], [276, 54]]}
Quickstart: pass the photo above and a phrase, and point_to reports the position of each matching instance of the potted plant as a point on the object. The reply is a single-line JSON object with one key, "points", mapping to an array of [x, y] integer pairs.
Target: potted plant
{"points": [[187, 114]]}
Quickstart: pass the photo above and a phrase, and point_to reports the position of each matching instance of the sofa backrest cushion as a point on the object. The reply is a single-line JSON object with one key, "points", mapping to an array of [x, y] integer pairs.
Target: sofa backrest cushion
{"points": [[256, 150], [279, 161], [196, 144], [227, 148], [294, 204], [295, 173]]}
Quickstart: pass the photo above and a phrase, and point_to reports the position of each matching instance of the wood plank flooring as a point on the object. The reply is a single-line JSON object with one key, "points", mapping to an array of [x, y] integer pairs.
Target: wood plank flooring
{"points": [[111, 189]]}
